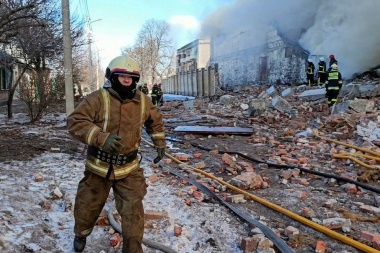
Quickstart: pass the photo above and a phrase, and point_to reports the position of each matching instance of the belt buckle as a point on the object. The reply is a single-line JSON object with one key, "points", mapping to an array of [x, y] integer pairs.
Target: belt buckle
{"points": [[118, 162]]}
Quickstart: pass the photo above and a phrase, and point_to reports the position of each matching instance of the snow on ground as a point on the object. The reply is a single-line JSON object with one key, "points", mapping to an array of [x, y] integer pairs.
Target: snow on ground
{"points": [[34, 219]]}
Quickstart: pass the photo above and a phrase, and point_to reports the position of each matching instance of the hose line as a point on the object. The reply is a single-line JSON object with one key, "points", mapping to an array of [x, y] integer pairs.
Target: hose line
{"points": [[145, 241], [282, 166], [282, 210]]}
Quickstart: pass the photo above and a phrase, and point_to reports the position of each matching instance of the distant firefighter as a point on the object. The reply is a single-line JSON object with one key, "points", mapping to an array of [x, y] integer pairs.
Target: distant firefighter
{"points": [[322, 75], [145, 89], [310, 72], [332, 61], [333, 85], [160, 95], [154, 94]]}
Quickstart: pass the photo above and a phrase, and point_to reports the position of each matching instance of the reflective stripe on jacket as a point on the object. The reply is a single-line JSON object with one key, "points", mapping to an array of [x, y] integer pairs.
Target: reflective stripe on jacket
{"points": [[321, 67], [102, 113], [334, 81]]}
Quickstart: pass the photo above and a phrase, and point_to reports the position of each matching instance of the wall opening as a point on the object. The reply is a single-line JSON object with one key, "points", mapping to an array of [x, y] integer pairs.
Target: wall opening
{"points": [[263, 68]]}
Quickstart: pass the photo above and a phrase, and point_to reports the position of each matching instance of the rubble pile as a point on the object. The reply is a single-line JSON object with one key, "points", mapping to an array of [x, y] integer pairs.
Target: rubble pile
{"points": [[293, 126]]}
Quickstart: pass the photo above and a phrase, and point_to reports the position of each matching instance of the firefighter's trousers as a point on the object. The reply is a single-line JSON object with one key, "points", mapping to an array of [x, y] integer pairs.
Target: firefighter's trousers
{"points": [[310, 79], [332, 97], [129, 192], [154, 99]]}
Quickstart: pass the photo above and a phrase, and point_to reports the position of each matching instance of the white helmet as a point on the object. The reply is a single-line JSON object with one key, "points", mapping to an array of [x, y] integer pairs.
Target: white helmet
{"points": [[334, 67], [321, 59], [309, 60]]}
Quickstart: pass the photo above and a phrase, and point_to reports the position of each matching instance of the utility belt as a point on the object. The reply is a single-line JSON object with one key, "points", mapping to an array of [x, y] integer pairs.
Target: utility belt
{"points": [[119, 159]]}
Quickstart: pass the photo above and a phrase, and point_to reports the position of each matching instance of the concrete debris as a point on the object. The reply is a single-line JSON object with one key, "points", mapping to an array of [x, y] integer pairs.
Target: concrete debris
{"points": [[257, 107], [281, 104], [227, 99], [312, 95]]}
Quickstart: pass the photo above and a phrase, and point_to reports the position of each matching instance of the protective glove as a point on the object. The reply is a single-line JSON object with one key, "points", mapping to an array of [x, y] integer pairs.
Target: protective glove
{"points": [[112, 145], [160, 155]]}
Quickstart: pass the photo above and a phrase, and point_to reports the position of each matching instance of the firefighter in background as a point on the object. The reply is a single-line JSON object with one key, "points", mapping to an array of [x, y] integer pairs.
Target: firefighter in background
{"points": [[160, 95], [322, 75], [310, 72], [333, 85], [332, 61], [154, 94], [145, 89]]}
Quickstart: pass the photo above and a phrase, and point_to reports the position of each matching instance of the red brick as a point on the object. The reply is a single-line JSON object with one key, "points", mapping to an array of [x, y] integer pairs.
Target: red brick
{"points": [[320, 247], [38, 177], [153, 178], [115, 240], [214, 152], [197, 155], [249, 244], [177, 230], [188, 202], [376, 244], [371, 237]]}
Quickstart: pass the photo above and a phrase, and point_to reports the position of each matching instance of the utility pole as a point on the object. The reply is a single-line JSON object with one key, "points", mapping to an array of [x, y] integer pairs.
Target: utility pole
{"points": [[97, 72], [92, 88], [69, 88]]}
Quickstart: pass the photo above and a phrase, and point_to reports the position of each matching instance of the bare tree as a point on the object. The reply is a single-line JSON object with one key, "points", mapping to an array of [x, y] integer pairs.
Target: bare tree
{"points": [[38, 49], [153, 50], [15, 14]]}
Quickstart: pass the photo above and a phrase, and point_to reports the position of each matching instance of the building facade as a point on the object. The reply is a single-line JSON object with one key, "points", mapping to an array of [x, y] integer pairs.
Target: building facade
{"points": [[193, 56], [248, 58]]}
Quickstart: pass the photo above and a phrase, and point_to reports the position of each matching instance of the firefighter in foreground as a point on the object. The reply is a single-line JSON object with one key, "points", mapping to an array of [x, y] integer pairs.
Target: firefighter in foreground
{"points": [[110, 122], [322, 76], [310, 72], [333, 85]]}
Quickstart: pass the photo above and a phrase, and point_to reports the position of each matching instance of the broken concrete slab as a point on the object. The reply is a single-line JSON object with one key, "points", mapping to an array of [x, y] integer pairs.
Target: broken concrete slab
{"points": [[287, 92], [349, 91], [257, 107], [342, 107], [188, 104], [362, 105], [227, 99], [271, 91], [281, 104], [312, 95]]}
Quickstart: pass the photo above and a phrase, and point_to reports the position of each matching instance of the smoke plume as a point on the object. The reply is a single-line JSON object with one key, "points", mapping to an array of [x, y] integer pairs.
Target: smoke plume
{"points": [[346, 28]]}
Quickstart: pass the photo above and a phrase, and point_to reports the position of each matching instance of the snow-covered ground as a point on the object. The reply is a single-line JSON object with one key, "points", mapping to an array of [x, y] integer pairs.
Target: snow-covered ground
{"points": [[34, 217]]}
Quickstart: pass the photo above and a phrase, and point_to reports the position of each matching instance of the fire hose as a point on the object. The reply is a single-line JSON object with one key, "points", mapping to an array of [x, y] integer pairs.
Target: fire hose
{"points": [[282, 210]]}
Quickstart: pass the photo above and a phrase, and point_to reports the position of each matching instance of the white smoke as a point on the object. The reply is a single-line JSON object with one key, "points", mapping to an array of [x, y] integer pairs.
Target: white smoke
{"points": [[346, 28], [349, 30]]}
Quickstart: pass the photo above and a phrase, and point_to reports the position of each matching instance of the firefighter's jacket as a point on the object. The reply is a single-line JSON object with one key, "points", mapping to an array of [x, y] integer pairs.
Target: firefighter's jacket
{"points": [[154, 91], [159, 91], [102, 113], [334, 81], [321, 67], [310, 68], [145, 90]]}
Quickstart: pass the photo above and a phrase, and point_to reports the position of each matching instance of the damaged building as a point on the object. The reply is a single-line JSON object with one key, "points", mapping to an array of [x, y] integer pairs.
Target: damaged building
{"points": [[239, 59], [246, 58]]}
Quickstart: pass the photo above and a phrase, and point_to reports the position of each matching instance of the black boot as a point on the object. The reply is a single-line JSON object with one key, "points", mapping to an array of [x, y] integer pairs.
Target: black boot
{"points": [[79, 243]]}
